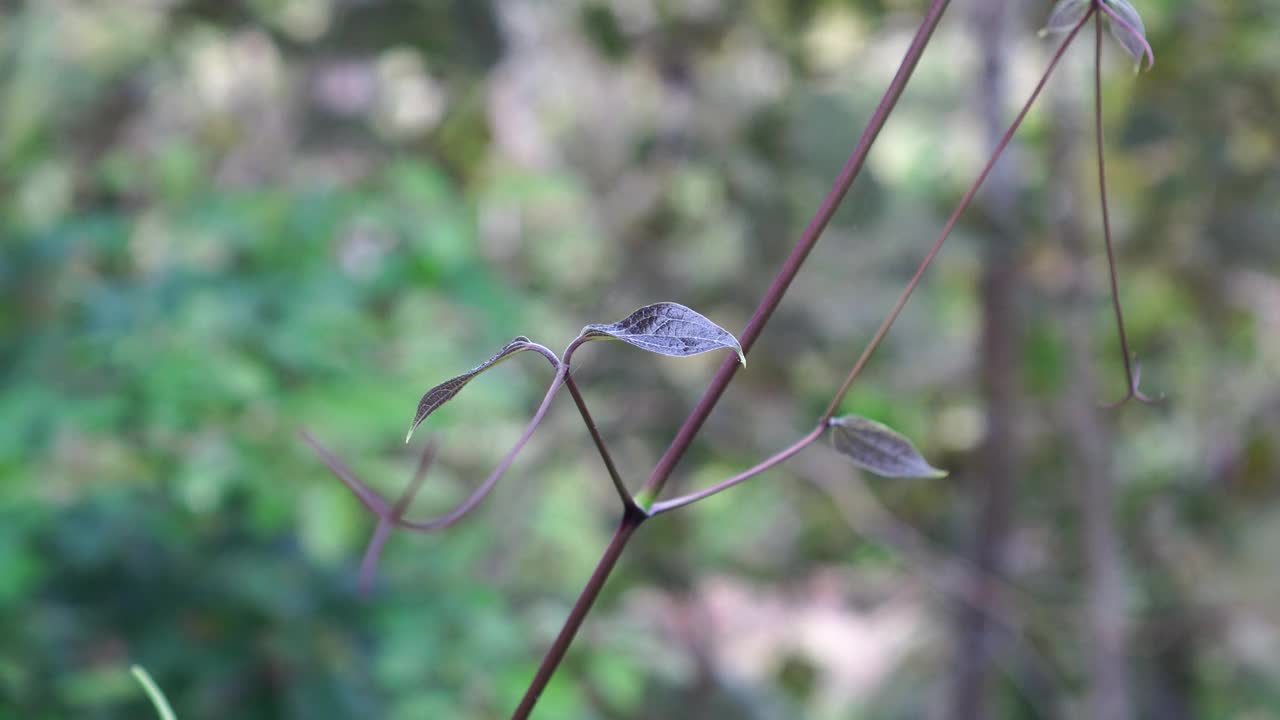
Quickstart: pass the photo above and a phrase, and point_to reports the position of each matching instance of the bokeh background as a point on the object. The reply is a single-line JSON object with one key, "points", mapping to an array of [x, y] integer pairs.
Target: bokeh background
{"points": [[226, 220]]}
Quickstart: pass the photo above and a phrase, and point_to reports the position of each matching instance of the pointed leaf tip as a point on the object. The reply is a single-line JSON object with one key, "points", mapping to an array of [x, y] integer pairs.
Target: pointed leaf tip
{"points": [[879, 449], [445, 391], [668, 328]]}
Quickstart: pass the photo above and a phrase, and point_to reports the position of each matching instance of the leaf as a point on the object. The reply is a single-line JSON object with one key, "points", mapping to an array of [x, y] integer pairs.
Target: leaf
{"points": [[668, 328], [444, 392], [877, 448], [153, 692], [1065, 15], [1126, 27]]}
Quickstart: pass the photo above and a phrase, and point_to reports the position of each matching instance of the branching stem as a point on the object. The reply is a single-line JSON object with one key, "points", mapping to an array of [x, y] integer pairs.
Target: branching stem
{"points": [[883, 330], [635, 512], [791, 266], [772, 298], [386, 523]]}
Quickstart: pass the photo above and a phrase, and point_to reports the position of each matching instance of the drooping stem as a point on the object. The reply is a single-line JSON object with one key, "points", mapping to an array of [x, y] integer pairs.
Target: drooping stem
{"points": [[1131, 374], [889, 319]]}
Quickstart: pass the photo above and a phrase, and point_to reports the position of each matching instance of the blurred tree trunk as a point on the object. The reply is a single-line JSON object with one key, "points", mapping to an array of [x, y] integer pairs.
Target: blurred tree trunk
{"points": [[1107, 627], [976, 633]]}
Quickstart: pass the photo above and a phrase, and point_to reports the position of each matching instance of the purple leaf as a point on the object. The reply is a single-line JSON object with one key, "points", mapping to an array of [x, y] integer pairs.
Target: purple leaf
{"points": [[1126, 27], [668, 328], [1066, 14], [444, 392], [879, 449]]}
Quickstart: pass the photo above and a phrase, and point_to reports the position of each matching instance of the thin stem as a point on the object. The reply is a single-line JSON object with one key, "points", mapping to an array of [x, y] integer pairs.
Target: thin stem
{"points": [[889, 319], [363, 492], [679, 502], [1131, 377], [628, 502], [369, 563], [623, 494], [791, 266], [587, 598]]}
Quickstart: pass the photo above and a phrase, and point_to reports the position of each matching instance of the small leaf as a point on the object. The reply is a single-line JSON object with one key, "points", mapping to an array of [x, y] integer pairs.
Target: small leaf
{"points": [[668, 328], [1126, 27], [879, 449], [444, 392], [1065, 15]]}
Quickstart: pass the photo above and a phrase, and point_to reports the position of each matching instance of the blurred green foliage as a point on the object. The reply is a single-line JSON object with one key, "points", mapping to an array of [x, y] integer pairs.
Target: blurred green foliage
{"points": [[226, 221]]}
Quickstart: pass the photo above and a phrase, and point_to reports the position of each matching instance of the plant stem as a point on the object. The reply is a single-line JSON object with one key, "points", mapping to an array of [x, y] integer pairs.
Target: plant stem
{"points": [[630, 521], [1131, 381], [618, 485], [889, 319], [386, 523], [797, 446], [772, 298]]}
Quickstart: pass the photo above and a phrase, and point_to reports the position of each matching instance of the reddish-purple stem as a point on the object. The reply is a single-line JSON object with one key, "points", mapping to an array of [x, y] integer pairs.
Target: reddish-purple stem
{"points": [[630, 521], [620, 487], [367, 496], [369, 564], [791, 450], [1132, 374]]}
